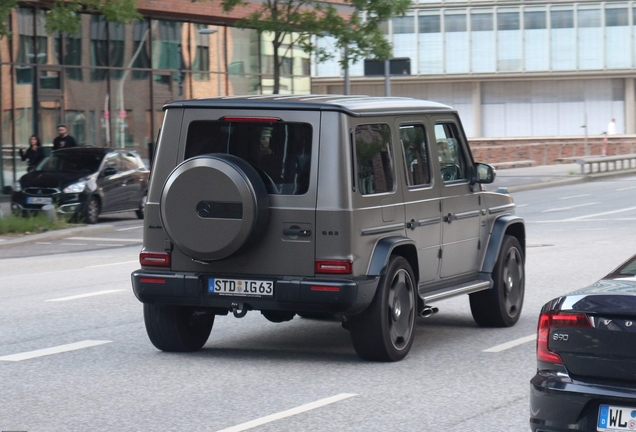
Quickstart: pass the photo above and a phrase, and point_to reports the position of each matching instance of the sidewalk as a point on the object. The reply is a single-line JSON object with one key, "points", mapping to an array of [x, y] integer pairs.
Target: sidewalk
{"points": [[514, 179]]}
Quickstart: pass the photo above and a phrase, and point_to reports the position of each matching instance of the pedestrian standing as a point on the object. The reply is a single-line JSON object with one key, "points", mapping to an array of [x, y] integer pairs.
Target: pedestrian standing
{"points": [[611, 127], [34, 154], [63, 140]]}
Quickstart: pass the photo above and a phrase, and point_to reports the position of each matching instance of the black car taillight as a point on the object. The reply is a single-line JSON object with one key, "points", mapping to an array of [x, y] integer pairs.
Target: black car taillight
{"points": [[549, 320], [154, 259]]}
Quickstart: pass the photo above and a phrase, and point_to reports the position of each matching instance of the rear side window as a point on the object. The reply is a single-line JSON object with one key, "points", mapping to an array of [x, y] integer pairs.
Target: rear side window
{"points": [[415, 151], [280, 152], [376, 172]]}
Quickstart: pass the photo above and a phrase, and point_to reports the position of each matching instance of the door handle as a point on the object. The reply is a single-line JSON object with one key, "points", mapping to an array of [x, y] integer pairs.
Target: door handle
{"points": [[449, 218]]}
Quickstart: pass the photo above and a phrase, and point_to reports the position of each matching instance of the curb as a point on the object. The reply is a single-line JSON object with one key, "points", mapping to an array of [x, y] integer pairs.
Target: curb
{"points": [[57, 234], [578, 179]]}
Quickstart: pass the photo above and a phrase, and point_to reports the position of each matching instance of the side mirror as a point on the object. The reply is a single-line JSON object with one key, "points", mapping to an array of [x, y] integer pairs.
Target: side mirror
{"points": [[109, 171], [485, 173]]}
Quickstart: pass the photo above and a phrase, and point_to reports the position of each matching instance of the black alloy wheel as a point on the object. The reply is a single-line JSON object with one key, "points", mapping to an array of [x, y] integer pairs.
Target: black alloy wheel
{"points": [[385, 330], [501, 305], [177, 328], [92, 211]]}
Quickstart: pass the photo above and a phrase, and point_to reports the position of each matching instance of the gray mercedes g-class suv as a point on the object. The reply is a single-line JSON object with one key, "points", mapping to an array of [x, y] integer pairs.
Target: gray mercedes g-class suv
{"points": [[368, 208]]}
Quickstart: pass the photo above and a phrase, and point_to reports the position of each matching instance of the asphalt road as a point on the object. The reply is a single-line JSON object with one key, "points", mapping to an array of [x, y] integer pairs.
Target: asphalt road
{"points": [[458, 377]]}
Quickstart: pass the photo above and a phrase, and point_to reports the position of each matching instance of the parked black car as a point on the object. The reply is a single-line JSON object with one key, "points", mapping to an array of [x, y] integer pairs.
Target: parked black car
{"points": [[84, 182], [586, 358]]}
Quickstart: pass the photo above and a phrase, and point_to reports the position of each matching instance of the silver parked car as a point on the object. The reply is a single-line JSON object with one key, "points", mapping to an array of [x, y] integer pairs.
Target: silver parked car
{"points": [[363, 207]]}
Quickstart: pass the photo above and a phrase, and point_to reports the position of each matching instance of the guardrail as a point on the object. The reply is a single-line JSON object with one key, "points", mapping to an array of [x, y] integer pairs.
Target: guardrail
{"points": [[610, 163]]}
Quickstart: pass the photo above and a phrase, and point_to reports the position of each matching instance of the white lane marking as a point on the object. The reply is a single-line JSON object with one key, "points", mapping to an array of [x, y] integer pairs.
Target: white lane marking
{"points": [[117, 263], [109, 244], [130, 228], [43, 243], [569, 208], [522, 205], [574, 196], [54, 350], [72, 244], [624, 189], [79, 296], [104, 239], [288, 413], [600, 214], [512, 344]]}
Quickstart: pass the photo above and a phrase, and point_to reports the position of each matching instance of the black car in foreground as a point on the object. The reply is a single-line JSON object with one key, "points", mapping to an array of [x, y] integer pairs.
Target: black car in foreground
{"points": [[84, 182], [586, 358]]}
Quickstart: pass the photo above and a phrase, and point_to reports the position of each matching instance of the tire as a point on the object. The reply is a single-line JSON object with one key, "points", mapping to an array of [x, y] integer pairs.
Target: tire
{"points": [[142, 207], [91, 215], [213, 206], [177, 328], [501, 305], [385, 330]]}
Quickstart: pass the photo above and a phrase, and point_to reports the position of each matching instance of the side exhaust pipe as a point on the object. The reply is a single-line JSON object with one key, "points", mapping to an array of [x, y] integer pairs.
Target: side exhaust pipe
{"points": [[427, 311]]}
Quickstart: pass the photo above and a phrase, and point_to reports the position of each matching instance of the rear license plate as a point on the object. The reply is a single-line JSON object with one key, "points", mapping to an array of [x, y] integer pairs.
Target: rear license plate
{"points": [[241, 287], [613, 418], [39, 200]]}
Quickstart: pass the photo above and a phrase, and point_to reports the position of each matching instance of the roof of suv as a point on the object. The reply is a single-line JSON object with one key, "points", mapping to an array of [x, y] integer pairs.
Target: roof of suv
{"points": [[353, 105]]}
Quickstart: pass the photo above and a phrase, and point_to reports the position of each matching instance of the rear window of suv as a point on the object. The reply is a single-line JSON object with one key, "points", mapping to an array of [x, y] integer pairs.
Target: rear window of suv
{"points": [[279, 151]]}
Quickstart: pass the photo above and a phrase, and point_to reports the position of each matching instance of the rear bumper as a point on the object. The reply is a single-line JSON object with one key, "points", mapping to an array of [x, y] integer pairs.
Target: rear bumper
{"points": [[560, 404], [290, 294]]}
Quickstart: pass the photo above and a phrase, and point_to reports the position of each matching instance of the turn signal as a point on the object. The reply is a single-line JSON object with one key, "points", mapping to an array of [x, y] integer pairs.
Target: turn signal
{"points": [[154, 259], [333, 267], [549, 320]]}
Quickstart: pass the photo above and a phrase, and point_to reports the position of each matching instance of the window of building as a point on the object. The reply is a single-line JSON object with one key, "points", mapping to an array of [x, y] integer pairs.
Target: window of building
{"points": [[116, 36], [616, 16], [99, 48], [374, 158], [166, 49], [508, 20], [617, 33], [403, 25], [453, 166], [561, 19], [481, 21], [73, 56], [534, 20], [455, 22], [589, 37], [430, 43], [482, 41], [202, 53], [31, 48], [141, 34], [415, 152], [429, 23], [456, 43]]}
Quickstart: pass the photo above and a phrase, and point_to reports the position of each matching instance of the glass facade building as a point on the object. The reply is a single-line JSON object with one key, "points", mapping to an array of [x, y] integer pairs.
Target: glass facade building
{"points": [[514, 69], [109, 82]]}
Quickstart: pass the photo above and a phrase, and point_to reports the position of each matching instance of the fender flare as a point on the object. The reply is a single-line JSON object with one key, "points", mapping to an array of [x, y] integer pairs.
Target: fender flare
{"points": [[382, 252], [499, 229]]}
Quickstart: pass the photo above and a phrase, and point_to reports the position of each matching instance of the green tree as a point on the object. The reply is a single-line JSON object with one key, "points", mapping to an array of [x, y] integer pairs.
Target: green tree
{"points": [[65, 15], [355, 25]]}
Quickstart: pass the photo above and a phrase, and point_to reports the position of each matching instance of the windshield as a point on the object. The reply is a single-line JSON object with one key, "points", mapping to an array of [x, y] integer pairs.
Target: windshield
{"points": [[280, 152], [71, 163]]}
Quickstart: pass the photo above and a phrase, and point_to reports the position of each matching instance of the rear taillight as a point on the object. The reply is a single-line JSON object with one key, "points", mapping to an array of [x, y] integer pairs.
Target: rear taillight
{"points": [[154, 259], [549, 320], [333, 267]]}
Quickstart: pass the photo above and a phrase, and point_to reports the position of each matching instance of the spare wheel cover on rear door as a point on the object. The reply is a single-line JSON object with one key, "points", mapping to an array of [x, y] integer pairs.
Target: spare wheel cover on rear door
{"points": [[212, 205]]}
